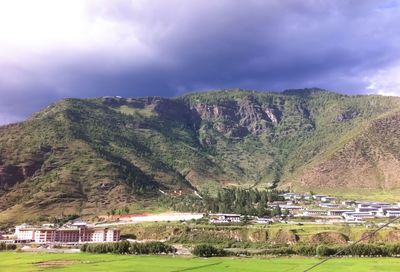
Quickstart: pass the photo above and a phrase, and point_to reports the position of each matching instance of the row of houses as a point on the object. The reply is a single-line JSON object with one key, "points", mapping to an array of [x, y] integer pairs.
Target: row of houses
{"points": [[73, 234], [295, 196], [220, 218], [362, 210]]}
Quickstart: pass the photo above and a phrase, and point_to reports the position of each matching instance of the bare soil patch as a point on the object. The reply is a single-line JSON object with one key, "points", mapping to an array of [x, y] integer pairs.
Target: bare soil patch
{"points": [[54, 263], [230, 184], [329, 238]]}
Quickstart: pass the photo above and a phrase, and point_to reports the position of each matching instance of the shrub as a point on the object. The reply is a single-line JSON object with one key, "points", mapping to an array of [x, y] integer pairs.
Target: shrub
{"points": [[84, 247], [205, 250], [323, 250], [11, 246], [4, 246]]}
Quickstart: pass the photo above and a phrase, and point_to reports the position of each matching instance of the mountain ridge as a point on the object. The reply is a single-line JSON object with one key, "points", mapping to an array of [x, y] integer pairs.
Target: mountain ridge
{"points": [[96, 153]]}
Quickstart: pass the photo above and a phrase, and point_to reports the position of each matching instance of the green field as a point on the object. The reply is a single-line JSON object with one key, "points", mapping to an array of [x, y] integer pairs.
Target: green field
{"points": [[11, 261]]}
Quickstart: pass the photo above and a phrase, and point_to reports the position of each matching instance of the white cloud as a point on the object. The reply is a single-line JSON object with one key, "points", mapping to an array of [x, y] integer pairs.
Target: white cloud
{"points": [[384, 81], [30, 30]]}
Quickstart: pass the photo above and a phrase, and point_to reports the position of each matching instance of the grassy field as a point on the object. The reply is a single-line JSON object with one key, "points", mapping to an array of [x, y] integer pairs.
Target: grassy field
{"points": [[18, 262]]}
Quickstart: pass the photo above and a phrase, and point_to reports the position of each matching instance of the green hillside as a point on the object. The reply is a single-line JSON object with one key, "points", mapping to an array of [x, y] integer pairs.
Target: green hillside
{"points": [[88, 155]]}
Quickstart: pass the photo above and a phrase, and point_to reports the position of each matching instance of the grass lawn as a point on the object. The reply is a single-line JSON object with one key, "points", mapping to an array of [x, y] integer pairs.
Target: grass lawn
{"points": [[18, 262]]}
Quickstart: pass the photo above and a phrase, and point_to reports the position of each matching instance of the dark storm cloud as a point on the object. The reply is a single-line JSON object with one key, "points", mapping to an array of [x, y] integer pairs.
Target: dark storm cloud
{"points": [[167, 48]]}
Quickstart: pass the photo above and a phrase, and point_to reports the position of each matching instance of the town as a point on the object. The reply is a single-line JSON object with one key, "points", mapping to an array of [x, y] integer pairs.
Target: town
{"points": [[293, 208], [319, 209]]}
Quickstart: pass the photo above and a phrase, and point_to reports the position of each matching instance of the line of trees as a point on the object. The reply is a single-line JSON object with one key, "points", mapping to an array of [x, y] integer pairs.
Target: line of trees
{"points": [[383, 250], [367, 250], [126, 247]]}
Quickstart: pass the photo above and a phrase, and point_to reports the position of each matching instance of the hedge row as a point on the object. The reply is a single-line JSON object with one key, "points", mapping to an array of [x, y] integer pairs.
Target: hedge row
{"points": [[381, 250], [4, 246], [384, 250], [125, 247]]}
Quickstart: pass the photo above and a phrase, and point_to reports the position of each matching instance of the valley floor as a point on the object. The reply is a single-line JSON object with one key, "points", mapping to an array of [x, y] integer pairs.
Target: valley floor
{"points": [[21, 262]]}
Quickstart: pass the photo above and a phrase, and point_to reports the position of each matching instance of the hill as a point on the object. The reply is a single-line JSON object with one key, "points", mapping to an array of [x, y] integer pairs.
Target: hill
{"points": [[93, 154]]}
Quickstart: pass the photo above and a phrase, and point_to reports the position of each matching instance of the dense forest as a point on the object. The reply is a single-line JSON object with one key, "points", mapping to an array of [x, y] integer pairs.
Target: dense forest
{"points": [[235, 200]]}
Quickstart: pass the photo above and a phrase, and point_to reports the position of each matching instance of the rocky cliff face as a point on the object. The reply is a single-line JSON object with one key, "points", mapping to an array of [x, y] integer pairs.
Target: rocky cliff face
{"points": [[241, 118], [10, 175], [13, 174]]}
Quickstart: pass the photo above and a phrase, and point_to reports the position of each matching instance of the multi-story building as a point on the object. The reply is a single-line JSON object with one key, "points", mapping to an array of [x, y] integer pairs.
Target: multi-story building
{"points": [[350, 215], [337, 212], [328, 205], [78, 233], [316, 213]]}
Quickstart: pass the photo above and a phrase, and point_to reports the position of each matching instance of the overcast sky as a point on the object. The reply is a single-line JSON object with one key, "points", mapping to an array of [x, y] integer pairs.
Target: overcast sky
{"points": [[52, 49]]}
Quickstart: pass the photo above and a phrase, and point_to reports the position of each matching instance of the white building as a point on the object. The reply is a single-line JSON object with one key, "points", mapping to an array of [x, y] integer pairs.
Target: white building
{"points": [[264, 220], [352, 215], [292, 207], [318, 197], [79, 233], [328, 205], [327, 199], [338, 212], [347, 202], [374, 211], [376, 205], [289, 196], [388, 211], [316, 213], [23, 226], [225, 218], [393, 214]]}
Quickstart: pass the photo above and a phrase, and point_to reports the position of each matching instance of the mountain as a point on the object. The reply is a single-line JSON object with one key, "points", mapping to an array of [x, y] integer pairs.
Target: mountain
{"points": [[92, 154]]}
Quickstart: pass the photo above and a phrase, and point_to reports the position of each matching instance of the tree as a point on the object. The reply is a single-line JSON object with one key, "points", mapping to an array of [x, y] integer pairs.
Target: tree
{"points": [[323, 250], [126, 209], [276, 211], [286, 212], [261, 211], [246, 219]]}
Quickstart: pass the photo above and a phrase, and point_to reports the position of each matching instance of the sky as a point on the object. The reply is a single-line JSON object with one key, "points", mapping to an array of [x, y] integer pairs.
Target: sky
{"points": [[53, 49]]}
